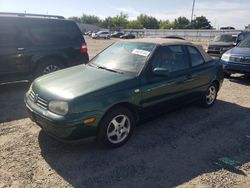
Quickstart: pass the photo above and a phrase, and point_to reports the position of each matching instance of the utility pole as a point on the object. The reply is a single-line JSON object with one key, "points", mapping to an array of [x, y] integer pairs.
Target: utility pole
{"points": [[192, 15]]}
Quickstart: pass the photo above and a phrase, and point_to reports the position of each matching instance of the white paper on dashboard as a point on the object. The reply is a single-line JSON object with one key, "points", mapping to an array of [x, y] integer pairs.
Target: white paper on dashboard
{"points": [[141, 52]]}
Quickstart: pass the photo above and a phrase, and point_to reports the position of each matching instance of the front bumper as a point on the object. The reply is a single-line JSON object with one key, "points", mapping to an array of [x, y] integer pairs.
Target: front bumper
{"points": [[230, 67], [215, 53], [60, 127]]}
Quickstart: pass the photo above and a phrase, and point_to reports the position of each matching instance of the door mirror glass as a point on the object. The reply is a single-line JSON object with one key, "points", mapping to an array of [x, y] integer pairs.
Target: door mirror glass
{"points": [[160, 72]]}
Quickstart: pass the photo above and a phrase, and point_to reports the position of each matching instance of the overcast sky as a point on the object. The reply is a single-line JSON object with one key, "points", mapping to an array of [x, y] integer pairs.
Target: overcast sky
{"points": [[219, 12]]}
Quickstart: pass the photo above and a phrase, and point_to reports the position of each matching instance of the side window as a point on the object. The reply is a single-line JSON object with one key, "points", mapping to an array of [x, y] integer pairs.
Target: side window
{"points": [[53, 33], [8, 35], [172, 58], [195, 55]]}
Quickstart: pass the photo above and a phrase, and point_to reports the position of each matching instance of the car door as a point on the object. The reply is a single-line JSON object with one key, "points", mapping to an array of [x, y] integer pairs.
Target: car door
{"points": [[13, 60], [201, 72], [7, 47], [159, 89]]}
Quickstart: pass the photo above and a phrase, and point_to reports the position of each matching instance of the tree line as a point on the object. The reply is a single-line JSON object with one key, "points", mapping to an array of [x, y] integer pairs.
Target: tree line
{"points": [[142, 21]]}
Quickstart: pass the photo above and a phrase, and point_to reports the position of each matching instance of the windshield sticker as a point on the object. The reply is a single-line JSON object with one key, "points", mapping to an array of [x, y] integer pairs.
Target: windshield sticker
{"points": [[141, 52]]}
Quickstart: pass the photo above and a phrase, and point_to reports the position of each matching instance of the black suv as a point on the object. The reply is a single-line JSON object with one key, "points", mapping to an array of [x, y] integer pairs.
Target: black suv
{"points": [[221, 44], [32, 45]]}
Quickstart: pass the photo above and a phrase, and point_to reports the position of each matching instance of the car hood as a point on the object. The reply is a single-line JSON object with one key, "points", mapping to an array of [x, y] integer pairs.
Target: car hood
{"points": [[240, 51], [220, 43], [76, 81]]}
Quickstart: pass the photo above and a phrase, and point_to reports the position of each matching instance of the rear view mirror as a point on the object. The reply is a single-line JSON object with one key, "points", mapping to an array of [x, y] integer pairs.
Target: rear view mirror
{"points": [[160, 72]]}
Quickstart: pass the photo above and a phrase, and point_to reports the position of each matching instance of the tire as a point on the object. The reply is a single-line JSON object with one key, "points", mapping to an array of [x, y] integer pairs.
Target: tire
{"points": [[209, 97], [116, 127], [227, 75], [49, 66]]}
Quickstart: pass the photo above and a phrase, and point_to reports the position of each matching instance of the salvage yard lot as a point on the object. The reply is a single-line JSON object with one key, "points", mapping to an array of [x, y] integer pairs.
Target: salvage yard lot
{"points": [[180, 148]]}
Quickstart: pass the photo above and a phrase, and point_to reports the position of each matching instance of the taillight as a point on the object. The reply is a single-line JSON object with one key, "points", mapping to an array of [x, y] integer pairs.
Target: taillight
{"points": [[84, 48]]}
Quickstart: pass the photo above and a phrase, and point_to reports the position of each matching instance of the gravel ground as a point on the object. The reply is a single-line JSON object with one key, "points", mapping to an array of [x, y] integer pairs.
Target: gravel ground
{"points": [[180, 148]]}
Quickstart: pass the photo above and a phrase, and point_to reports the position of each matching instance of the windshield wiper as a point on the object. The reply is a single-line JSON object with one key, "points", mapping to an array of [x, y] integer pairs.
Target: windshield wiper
{"points": [[111, 70]]}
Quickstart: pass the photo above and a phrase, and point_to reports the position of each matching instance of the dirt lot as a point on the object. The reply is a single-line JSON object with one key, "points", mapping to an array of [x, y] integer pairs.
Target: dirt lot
{"points": [[180, 148]]}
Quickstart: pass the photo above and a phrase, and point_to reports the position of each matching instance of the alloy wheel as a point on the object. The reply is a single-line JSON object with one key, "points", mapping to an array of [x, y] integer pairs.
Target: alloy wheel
{"points": [[211, 95], [50, 68], [118, 129]]}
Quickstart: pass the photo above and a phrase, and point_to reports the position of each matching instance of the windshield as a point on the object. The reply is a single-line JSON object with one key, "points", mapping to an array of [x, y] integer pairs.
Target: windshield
{"points": [[245, 43], [125, 57], [223, 38]]}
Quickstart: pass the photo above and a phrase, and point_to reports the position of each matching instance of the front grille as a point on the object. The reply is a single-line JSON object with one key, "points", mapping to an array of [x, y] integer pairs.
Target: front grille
{"points": [[39, 101], [214, 48], [245, 60]]}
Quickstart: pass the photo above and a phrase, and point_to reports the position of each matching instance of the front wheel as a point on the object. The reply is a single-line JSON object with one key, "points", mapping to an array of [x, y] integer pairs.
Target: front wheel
{"points": [[116, 127], [209, 97]]}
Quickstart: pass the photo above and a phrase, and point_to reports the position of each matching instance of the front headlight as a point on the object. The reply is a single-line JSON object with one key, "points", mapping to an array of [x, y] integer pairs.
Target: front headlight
{"points": [[30, 88], [58, 107], [225, 57]]}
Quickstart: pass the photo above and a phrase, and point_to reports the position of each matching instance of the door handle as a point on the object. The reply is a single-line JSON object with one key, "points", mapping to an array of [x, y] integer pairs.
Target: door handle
{"points": [[20, 49], [189, 78]]}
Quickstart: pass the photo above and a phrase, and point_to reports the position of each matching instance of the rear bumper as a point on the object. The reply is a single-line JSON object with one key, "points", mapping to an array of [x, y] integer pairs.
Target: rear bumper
{"points": [[81, 59], [231, 67]]}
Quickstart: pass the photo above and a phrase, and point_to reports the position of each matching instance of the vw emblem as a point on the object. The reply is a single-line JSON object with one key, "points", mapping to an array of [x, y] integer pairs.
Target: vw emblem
{"points": [[35, 98]]}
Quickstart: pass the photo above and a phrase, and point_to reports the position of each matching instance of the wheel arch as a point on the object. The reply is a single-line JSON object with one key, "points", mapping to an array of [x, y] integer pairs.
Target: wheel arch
{"points": [[217, 83], [40, 60]]}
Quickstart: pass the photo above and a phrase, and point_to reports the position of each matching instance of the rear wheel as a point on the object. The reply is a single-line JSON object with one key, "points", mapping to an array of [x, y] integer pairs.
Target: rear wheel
{"points": [[209, 97], [49, 67], [116, 127]]}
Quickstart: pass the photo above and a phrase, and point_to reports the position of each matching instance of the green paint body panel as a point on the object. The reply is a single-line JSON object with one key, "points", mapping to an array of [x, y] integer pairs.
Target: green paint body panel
{"points": [[91, 92]]}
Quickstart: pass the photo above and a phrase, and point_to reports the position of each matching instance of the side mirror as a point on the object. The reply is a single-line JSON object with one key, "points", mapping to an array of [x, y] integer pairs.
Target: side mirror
{"points": [[160, 72], [238, 41]]}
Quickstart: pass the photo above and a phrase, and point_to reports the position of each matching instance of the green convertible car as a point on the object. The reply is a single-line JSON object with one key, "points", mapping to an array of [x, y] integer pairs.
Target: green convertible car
{"points": [[109, 95]]}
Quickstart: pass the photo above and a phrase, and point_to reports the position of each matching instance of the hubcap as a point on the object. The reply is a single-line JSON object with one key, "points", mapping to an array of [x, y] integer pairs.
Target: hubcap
{"points": [[118, 129], [50, 68], [211, 95]]}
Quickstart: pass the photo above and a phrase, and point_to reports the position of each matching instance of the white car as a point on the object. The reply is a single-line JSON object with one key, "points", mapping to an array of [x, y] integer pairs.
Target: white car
{"points": [[101, 35]]}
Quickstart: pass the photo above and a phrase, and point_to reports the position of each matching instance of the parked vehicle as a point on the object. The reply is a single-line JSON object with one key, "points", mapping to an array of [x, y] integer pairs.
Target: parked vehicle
{"points": [[227, 28], [32, 45], [237, 60], [87, 33], [174, 37], [101, 35], [117, 34], [128, 36], [90, 33], [109, 95], [221, 44]]}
